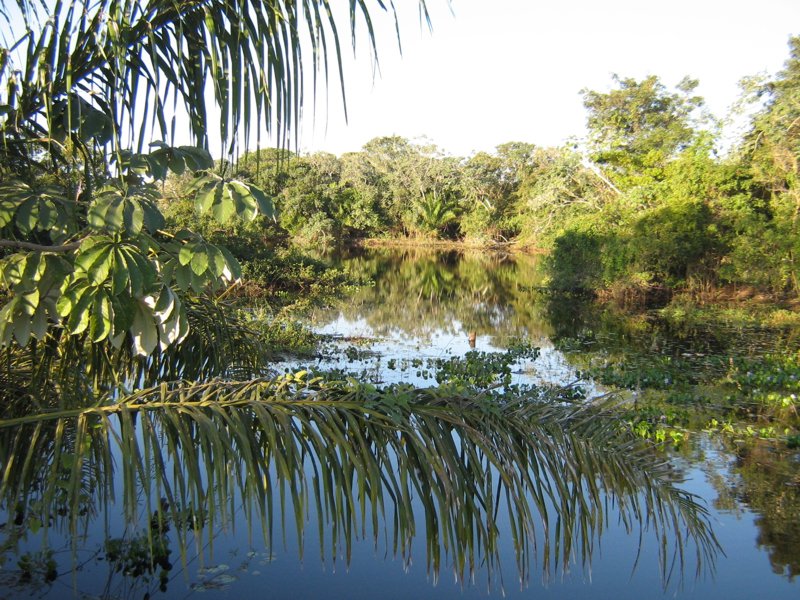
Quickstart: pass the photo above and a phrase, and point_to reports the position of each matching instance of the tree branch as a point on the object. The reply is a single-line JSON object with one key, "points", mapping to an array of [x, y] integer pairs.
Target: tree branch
{"points": [[40, 247]]}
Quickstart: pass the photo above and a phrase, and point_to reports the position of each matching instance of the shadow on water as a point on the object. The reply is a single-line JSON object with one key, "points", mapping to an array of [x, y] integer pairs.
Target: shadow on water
{"points": [[124, 485]]}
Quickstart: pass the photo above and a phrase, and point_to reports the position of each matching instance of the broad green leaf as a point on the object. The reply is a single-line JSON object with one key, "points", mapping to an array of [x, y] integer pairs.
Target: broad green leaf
{"points": [[8, 209], [143, 330], [158, 162], [205, 199], [265, 204], [241, 198], [196, 158], [26, 217], [224, 208], [114, 217], [216, 261], [79, 316], [177, 164], [101, 267], [183, 277], [106, 212], [64, 305], [165, 303], [124, 310], [39, 322], [22, 330], [12, 195], [47, 215], [141, 270], [234, 269], [101, 318], [89, 253], [118, 339], [153, 219], [120, 278], [200, 262], [7, 321], [133, 215], [186, 253]]}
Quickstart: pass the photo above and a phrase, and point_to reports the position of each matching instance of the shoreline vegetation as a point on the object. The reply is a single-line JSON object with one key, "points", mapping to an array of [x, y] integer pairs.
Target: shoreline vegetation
{"points": [[648, 204], [731, 293], [149, 281], [643, 296]]}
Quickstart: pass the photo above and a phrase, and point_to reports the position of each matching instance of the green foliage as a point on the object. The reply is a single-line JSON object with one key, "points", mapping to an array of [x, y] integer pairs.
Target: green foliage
{"points": [[638, 127], [668, 241], [38, 565], [575, 261], [140, 556], [350, 453], [434, 213], [477, 371], [83, 89]]}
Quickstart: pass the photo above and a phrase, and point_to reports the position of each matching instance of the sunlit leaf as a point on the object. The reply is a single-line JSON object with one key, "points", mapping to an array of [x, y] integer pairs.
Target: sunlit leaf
{"points": [[143, 330], [200, 261]]}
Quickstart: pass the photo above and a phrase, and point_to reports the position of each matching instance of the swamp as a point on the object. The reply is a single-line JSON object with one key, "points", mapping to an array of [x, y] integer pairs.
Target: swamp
{"points": [[458, 431], [234, 369]]}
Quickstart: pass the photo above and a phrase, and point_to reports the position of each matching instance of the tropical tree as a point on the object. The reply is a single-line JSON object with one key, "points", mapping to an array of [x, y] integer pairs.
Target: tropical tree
{"points": [[636, 128], [772, 150], [92, 94]]}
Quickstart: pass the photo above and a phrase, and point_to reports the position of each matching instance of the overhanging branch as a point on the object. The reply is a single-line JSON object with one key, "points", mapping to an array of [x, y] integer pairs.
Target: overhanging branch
{"points": [[40, 247]]}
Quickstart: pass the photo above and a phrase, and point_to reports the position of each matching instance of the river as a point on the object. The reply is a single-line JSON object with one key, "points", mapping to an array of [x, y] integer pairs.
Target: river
{"points": [[419, 495]]}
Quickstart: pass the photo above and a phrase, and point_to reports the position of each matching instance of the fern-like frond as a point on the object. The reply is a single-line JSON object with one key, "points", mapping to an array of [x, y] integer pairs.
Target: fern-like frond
{"points": [[364, 456]]}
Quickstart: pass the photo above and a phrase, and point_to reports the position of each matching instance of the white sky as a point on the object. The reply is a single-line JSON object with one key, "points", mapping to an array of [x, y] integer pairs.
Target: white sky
{"points": [[494, 71], [512, 70]]}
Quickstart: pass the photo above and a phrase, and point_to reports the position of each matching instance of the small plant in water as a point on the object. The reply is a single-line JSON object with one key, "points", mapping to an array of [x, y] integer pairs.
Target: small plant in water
{"points": [[141, 556], [37, 567]]}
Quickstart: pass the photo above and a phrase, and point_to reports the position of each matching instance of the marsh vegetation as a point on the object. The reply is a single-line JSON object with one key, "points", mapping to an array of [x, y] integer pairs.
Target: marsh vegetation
{"points": [[172, 403]]}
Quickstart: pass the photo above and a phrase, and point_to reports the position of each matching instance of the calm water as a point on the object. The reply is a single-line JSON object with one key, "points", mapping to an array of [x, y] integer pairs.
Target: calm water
{"points": [[332, 526]]}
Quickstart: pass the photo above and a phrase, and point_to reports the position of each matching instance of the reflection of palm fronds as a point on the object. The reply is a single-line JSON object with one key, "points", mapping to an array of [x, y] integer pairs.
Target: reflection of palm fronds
{"points": [[361, 456]]}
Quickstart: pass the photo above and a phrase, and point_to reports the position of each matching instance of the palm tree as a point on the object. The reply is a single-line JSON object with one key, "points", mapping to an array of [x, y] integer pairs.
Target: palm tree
{"points": [[434, 212]]}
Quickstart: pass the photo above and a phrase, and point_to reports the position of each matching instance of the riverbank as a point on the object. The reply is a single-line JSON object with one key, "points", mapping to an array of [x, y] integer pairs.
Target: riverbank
{"points": [[434, 244], [750, 299]]}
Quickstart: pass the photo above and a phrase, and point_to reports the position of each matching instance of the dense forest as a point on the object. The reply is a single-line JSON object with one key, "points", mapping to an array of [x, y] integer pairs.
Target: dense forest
{"points": [[648, 201]]}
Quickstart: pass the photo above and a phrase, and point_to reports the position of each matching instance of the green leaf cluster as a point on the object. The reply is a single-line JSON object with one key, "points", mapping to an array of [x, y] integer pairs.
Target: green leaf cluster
{"points": [[85, 88]]}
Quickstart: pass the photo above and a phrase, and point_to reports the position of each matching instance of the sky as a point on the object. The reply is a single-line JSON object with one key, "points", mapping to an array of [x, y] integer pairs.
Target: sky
{"points": [[512, 70]]}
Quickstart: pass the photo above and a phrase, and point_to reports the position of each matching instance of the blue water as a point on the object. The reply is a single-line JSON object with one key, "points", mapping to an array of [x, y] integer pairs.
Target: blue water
{"points": [[236, 562]]}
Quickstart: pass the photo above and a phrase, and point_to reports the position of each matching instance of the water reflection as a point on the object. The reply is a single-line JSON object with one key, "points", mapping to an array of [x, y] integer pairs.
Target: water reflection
{"points": [[131, 484], [765, 479], [686, 361], [437, 302], [419, 292]]}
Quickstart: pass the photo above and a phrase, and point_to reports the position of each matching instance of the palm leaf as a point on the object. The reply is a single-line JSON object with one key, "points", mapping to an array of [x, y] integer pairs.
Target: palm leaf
{"points": [[362, 457], [144, 64]]}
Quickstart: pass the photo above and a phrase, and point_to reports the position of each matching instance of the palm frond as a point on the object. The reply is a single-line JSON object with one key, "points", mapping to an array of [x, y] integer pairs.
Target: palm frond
{"points": [[137, 67], [362, 459], [64, 371]]}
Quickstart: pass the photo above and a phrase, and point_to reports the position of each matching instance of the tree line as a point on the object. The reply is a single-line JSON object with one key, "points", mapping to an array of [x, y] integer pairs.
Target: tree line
{"points": [[648, 200]]}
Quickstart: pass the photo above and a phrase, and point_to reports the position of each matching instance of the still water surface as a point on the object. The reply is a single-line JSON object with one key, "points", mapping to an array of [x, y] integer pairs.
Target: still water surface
{"points": [[307, 539]]}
